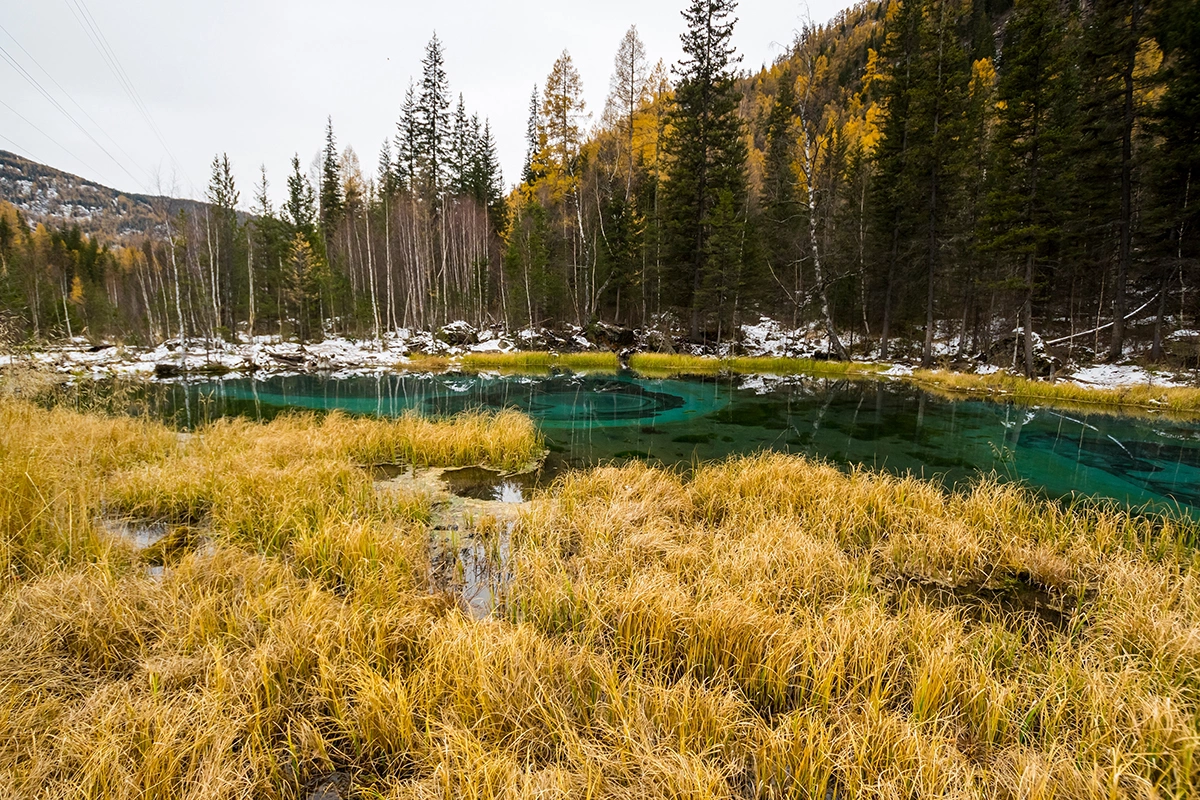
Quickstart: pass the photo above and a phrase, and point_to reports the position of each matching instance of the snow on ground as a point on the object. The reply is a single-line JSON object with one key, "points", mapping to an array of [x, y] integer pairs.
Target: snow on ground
{"points": [[1111, 375], [344, 357]]}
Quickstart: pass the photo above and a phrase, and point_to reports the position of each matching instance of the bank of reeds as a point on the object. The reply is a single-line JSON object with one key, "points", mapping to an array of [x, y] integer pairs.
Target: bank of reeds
{"points": [[657, 365], [768, 628], [541, 362], [1015, 388]]}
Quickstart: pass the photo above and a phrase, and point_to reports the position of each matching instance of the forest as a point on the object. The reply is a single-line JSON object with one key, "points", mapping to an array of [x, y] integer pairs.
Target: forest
{"points": [[911, 179]]}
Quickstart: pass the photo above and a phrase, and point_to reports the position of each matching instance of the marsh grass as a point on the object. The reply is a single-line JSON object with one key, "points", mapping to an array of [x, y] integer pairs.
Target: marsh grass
{"points": [[754, 630], [1183, 401], [668, 365], [541, 362]]}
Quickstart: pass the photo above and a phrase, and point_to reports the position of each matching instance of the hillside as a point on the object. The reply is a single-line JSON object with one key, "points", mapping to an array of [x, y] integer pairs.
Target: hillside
{"points": [[48, 195]]}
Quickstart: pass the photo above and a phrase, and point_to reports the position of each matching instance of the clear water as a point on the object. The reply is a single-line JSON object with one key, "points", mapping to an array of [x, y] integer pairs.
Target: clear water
{"points": [[1139, 461]]}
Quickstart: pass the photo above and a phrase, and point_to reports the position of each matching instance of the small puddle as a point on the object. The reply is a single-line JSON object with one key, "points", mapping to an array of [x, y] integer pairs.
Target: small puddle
{"points": [[473, 565], [481, 483], [158, 544], [475, 510]]}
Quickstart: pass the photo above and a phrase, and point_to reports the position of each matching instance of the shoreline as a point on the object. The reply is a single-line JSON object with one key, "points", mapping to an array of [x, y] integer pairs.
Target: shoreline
{"points": [[459, 347]]}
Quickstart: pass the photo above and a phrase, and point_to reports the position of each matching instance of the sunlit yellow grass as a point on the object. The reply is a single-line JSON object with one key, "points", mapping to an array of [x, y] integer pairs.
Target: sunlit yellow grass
{"points": [[1179, 400], [541, 361], [768, 627], [668, 365]]}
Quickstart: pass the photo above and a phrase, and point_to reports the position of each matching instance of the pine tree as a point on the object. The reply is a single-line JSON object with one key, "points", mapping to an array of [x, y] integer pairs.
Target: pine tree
{"points": [[300, 208], [222, 240], [896, 191], [332, 200], [781, 223], [1175, 165], [490, 181], [530, 171], [1113, 35], [385, 172], [408, 146], [706, 157], [433, 122], [1031, 146], [939, 104], [461, 145]]}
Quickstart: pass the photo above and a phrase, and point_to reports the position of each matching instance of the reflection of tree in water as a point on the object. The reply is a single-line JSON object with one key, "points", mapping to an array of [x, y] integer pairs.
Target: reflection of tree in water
{"points": [[565, 397]]}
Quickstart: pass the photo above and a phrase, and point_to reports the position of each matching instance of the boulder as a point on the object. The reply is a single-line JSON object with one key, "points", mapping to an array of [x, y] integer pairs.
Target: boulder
{"points": [[458, 334]]}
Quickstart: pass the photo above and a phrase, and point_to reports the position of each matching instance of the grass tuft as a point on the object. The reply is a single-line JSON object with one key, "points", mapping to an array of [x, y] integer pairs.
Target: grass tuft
{"points": [[667, 365], [541, 361], [1008, 387]]}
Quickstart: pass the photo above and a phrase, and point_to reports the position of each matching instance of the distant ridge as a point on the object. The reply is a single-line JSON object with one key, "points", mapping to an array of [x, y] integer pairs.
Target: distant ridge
{"points": [[59, 199]]}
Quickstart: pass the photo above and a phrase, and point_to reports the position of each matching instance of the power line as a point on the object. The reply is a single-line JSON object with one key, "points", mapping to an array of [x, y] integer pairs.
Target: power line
{"points": [[82, 110], [24, 73], [48, 136], [28, 153], [96, 37]]}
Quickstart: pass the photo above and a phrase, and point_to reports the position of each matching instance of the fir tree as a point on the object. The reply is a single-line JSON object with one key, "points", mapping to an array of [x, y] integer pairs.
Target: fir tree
{"points": [[1032, 140], [433, 122], [461, 145], [706, 157], [895, 190], [531, 172], [332, 201], [781, 224], [408, 146], [300, 208]]}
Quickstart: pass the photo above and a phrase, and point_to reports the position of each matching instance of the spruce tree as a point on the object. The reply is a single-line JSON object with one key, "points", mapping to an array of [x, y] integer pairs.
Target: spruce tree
{"points": [[938, 121], [1175, 164], [1029, 173], [332, 202], [433, 122], [781, 224], [530, 171], [461, 145], [300, 208], [895, 190], [705, 190], [408, 146], [1113, 31]]}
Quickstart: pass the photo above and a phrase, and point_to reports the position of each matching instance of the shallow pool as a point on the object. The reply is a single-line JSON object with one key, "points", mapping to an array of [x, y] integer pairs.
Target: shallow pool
{"points": [[1135, 460]]}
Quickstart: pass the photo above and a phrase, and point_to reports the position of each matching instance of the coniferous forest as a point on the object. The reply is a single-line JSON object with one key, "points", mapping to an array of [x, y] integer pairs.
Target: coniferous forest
{"points": [[912, 179]]}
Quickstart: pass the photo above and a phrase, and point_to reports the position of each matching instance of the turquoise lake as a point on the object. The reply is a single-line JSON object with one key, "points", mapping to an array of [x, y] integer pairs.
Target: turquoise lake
{"points": [[1139, 461]]}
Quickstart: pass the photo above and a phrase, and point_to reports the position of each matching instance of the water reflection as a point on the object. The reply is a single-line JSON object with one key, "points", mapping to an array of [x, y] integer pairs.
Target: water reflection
{"points": [[895, 427]]}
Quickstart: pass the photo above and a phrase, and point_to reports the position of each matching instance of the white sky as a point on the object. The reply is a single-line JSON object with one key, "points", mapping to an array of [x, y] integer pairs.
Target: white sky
{"points": [[256, 79]]}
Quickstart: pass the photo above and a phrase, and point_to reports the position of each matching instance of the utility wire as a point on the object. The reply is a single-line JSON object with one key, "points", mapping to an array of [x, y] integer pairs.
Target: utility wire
{"points": [[24, 73], [28, 153], [48, 136], [92, 29], [82, 110]]}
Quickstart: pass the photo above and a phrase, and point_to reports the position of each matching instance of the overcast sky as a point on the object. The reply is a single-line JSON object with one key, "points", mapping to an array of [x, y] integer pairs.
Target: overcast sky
{"points": [[256, 79]]}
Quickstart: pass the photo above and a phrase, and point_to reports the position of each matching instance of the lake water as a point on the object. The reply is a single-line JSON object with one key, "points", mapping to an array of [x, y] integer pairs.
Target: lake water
{"points": [[1141, 461]]}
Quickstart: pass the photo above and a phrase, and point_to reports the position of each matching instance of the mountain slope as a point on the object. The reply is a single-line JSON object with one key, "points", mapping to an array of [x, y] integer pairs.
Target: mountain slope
{"points": [[55, 198]]}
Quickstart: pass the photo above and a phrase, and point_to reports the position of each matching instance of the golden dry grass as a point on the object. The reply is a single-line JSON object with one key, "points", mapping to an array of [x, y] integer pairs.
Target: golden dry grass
{"points": [[541, 362], [668, 365], [1008, 387], [768, 628]]}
